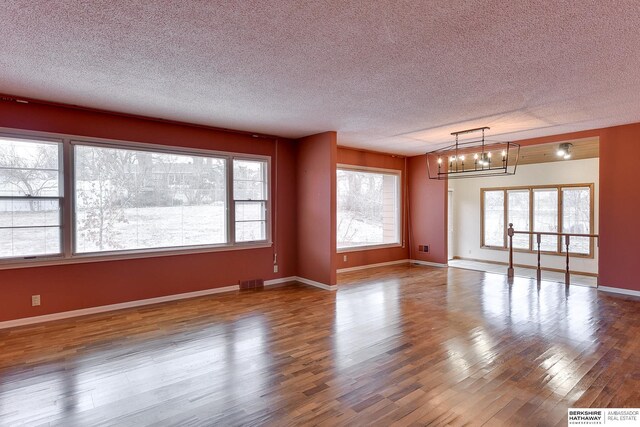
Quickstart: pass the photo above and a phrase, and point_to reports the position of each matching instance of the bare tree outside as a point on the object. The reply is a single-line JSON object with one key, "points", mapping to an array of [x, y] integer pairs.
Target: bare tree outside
{"points": [[133, 199], [366, 208], [30, 204]]}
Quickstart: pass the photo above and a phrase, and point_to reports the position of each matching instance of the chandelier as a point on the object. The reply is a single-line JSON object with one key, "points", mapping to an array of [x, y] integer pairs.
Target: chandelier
{"points": [[473, 158]]}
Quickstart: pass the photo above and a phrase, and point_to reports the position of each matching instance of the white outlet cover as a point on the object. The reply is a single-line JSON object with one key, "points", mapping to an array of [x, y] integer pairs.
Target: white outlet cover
{"points": [[35, 300]]}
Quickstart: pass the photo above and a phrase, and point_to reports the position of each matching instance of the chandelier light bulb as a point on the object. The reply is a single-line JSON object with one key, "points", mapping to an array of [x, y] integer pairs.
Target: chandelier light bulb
{"points": [[475, 157]]}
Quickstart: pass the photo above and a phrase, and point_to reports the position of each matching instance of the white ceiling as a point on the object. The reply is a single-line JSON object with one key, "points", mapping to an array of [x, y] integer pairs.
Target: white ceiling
{"points": [[395, 76]]}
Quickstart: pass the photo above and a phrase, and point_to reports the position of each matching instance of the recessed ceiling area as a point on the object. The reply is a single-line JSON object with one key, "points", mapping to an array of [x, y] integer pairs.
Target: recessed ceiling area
{"points": [[389, 76], [586, 148]]}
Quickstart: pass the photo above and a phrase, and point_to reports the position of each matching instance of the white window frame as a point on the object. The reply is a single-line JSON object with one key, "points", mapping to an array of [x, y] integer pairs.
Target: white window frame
{"points": [[61, 198], [232, 200], [68, 202], [399, 213]]}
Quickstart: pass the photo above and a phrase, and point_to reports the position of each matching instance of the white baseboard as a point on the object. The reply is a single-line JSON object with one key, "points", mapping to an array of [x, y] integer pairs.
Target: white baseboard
{"points": [[619, 291], [280, 280], [380, 264], [431, 264], [112, 307], [300, 280], [317, 284]]}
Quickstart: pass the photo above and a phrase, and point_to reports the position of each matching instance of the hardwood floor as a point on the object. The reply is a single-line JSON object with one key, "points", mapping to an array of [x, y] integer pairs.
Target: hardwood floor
{"points": [[397, 345]]}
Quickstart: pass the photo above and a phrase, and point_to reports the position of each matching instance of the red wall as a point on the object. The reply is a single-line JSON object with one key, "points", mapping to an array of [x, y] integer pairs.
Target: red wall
{"points": [[76, 286], [350, 156], [304, 207], [317, 156], [427, 213], [619, 207], [619, 202]]}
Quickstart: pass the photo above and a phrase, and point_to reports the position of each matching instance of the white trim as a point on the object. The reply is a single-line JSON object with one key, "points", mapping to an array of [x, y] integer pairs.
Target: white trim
{"points": [[368, 247], [112, 307], [431, 264], [115, 256], [386, 171], [317, 284], [280, 280], [619, 291], [380, 264]]}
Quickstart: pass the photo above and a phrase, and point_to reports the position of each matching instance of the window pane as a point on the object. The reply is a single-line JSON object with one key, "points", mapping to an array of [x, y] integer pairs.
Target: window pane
{"points": [[494, 228], [249, 180], [24, 242], [250, 211], [368, 208], [250, 221], [132, 199], [518, 213], [22, 212], [545, 217], [29, 168], [250, 183], [250, 231], [576, 217]]}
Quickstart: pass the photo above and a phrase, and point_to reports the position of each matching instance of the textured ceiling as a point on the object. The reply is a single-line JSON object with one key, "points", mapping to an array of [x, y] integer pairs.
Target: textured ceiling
{"points": [[394, 76]]}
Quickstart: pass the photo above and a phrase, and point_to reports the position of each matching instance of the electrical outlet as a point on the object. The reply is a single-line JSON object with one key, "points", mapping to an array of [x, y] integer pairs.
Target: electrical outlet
{"points": [[426, 248], [275, 268], [35, 300], [344, 258]]}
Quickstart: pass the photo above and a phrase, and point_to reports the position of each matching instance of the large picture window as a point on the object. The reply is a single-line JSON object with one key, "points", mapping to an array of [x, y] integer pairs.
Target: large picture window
{"points": [[126, 199], [30, 198], [368, 208], [132, 199], [542, 208]]}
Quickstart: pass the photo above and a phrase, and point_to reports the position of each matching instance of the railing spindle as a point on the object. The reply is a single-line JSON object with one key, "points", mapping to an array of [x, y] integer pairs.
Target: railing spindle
{"points": [[539, 271], [510, 272], [567, 275]]}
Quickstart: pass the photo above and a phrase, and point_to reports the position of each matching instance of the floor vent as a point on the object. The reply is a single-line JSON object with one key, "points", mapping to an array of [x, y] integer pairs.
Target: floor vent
{"points": [[251, 284]]}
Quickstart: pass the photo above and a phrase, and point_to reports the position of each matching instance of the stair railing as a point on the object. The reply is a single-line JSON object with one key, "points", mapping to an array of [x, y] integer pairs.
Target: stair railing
{"points": [[567, 240]]}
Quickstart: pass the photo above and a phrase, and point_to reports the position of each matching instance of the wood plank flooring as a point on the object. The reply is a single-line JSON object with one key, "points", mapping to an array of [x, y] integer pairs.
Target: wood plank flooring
{"points": [[402, 345]]}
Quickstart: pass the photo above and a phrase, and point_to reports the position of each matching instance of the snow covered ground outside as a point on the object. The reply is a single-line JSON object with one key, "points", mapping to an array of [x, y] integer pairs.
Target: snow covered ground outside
{"points": [[353, 231], [151, 227]]}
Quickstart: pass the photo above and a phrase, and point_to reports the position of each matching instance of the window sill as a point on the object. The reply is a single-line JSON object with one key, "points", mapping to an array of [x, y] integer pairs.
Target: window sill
{"points": [[123, 256], [368, 247]]}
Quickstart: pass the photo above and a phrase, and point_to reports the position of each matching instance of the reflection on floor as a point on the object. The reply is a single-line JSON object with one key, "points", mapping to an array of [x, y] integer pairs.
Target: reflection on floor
{"points": [[528, 273], [399, 345]]}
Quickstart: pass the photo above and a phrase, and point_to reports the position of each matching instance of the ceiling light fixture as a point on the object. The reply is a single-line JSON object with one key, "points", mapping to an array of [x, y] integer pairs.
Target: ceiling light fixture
{"points": [[490, 158], [564, 150]]}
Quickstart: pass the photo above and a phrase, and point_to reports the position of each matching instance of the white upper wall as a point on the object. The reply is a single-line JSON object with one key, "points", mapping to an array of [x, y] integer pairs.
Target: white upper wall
{"points": [[466, 210]]}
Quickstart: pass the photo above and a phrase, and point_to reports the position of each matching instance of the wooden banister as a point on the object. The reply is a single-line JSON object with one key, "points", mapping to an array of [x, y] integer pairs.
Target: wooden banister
{"points": [[567, 239]]}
